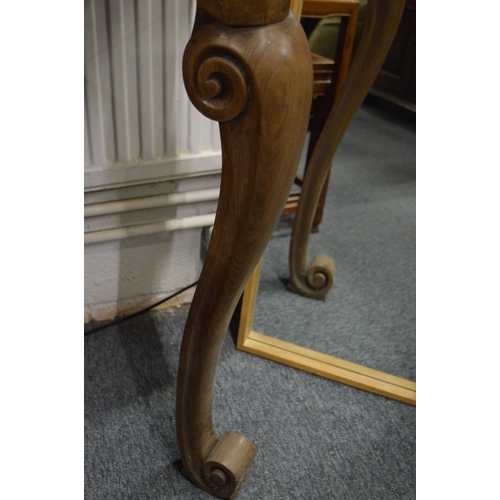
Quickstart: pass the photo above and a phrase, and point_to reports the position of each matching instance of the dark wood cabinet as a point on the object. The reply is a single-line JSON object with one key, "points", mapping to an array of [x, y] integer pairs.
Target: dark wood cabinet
{"points": [[396, 80]]}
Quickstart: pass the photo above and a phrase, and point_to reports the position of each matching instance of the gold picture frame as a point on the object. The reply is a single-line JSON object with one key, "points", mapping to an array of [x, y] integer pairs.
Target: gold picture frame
{"points": [[312, 361]]}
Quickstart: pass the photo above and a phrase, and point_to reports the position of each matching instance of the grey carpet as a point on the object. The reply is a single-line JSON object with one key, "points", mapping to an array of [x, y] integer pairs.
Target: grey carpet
{"points": [[368, 228], [316, 439]]}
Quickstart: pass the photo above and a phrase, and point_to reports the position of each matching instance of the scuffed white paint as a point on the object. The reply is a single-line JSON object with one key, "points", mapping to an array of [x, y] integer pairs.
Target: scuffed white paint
{"points": [[121, 276]]}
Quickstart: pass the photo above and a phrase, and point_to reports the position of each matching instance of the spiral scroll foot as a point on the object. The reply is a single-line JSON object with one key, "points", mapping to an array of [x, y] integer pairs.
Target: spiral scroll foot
{"points": [[227, 466], [317, 281]]}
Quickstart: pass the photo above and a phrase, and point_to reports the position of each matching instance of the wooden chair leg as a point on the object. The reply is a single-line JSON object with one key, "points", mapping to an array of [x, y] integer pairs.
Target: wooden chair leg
{"points": [[318, 214], [257, 82], [381, 23]]}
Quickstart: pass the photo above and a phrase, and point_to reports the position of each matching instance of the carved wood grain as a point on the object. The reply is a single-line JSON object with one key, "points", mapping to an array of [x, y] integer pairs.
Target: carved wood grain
{"points": [[257, 82]]}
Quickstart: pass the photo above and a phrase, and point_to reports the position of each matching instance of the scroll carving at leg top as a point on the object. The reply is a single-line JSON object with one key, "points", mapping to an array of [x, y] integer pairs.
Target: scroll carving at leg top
{"points": [[381, 23], [257, 82]]}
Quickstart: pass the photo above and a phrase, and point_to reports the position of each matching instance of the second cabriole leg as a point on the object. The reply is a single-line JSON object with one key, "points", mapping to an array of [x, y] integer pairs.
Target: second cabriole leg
{"points": [[381, 23]]}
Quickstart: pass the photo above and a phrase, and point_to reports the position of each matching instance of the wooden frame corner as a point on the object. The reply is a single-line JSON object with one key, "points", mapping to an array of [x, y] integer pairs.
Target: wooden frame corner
{"points": [[312, 361]]}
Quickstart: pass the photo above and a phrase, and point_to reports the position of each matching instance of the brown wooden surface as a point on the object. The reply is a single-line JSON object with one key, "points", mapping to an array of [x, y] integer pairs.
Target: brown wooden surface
{"points": [[322, 74], [246, 13], [324, 8], [257, 82]]}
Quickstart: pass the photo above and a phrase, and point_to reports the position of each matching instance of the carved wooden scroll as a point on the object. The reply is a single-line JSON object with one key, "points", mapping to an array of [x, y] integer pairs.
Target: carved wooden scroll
{"points": [[381, 23], [248, 66]]}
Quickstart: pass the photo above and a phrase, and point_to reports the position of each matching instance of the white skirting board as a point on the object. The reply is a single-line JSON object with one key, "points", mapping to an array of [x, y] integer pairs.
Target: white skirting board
{"points": [[122, 276], [141, 246]]}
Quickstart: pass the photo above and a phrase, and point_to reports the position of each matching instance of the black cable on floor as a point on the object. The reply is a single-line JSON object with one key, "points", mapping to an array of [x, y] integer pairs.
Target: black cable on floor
{"points": [[125, 318]]}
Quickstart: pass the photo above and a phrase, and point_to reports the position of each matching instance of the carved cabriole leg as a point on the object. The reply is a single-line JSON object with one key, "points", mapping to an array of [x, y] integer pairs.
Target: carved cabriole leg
{"points": [[256, 81], [381, 23]]}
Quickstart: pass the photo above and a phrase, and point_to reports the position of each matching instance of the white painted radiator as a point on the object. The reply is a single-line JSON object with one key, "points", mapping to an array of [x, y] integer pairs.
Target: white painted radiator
{"points": [[139, 123]]}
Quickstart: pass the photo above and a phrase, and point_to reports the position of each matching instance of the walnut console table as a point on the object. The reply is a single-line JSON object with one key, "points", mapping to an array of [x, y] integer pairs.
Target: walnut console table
{"points": [[248, 66]]}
